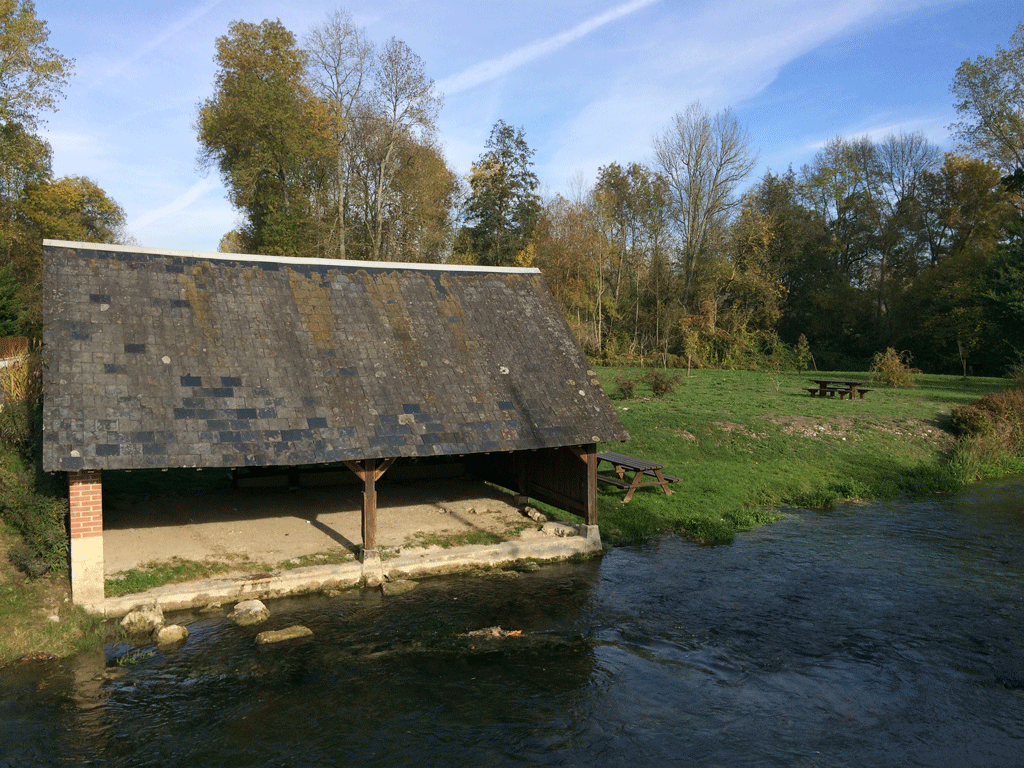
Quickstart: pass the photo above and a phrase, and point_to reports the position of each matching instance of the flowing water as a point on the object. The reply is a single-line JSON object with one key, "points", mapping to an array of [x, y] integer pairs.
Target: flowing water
{"points": [[876, 635]]}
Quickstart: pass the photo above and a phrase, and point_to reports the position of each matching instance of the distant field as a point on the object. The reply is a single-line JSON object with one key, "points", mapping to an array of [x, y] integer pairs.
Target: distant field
{"points": [[747, 442]]}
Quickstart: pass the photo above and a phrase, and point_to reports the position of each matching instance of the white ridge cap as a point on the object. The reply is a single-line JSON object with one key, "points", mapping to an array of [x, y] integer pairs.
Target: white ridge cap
{"points": [[395, 265]]}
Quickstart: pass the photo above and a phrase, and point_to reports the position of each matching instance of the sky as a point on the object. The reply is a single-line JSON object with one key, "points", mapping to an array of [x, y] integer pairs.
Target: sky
{"points": [[590, 82]]}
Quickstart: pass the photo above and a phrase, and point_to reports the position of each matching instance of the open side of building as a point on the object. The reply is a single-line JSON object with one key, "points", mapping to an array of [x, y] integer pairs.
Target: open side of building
{"points": [[160, 359]]}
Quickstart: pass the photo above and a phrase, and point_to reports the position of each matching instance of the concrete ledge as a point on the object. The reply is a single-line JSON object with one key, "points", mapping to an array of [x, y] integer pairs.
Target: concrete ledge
{"points": [[318, 578]]}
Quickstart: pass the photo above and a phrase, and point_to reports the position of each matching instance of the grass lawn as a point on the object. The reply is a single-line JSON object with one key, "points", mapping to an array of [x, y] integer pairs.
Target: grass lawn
{"points": [[746, 442]]}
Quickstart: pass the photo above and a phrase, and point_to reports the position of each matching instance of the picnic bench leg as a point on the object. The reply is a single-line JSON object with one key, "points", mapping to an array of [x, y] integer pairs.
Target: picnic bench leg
{"points": [[663, 481], [637, 477]]}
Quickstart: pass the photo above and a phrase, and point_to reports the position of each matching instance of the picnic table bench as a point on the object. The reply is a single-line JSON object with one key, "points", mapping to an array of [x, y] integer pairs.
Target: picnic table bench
{"points": [[847, 388], [641, 469]]}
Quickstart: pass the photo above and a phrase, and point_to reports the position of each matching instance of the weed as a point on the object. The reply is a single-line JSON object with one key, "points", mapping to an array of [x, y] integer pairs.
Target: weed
{"points": [[330, 557], [134, 657]]}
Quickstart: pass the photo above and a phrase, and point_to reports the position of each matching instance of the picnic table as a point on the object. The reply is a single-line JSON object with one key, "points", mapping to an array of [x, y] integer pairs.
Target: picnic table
{"points": [[641, 469], [842, 387]]}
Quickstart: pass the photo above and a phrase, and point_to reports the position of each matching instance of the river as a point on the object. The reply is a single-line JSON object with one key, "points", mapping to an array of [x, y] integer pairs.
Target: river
{"points": [[873, 635]]}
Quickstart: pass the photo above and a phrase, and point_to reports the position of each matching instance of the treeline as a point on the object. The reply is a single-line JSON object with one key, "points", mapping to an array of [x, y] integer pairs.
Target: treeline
{"points": [[329, 148], [33, 203], [872, 245]]}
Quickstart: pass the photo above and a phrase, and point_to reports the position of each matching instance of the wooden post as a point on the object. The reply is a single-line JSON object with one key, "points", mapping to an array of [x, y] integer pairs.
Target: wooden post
{"points": [[588, 455], [370, 471], [591, 457]]}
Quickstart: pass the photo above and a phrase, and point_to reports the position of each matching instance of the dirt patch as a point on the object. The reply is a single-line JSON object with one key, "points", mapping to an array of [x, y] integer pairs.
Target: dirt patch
{"points": [[272, 526], [732, 427], [842, 427]]}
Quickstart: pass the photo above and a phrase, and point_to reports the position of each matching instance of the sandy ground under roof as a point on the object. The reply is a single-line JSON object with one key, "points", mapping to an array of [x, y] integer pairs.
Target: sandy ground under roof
{"points": [[272, 525]]}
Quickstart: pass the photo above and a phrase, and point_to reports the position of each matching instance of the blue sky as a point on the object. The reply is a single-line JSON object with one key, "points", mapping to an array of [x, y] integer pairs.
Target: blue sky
{"points": [[590, 81]]}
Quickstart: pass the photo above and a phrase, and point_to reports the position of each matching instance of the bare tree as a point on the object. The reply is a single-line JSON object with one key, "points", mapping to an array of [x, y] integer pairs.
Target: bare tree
{"points": [[340, 67], [704, 159], [407, 105]]}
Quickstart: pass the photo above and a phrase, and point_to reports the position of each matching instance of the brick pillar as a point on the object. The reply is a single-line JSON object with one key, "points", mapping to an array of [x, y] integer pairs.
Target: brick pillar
{"points": [[86, 495]]}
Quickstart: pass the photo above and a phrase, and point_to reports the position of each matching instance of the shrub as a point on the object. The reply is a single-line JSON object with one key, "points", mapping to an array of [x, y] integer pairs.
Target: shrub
{"points": [[970, 421], [40, 521], [660, 383], [625, 386], [893, 368], [19, 381]]}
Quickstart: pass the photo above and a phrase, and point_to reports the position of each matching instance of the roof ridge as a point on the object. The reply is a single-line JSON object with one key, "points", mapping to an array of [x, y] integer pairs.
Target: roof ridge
{"points": [[211, 255]]}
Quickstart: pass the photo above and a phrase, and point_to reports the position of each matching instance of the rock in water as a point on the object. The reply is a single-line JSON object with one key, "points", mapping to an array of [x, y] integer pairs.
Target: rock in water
{"points": [[249, 612], [277, 635], [166, 637], [143, 619], [397, 587]]}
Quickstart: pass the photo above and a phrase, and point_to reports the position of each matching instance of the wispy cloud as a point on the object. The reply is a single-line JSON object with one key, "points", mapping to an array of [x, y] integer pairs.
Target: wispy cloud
{"points": [[493, 69], [118, 67], [178, 204]]}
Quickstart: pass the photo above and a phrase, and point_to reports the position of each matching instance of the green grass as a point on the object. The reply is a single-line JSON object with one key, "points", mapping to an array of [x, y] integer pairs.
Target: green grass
{"points": [[26, 608], [173, 571], [746, 442]]}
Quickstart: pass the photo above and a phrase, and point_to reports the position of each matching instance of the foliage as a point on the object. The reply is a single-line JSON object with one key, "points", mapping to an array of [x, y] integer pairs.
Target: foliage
{"points": [[625, 386], [990, 101], [260, 130], [803, 354], [32, 75], [20, 382], [661, 384], [13, 317], [503, 208], [703, 159], [893, 368], [37, 516]]}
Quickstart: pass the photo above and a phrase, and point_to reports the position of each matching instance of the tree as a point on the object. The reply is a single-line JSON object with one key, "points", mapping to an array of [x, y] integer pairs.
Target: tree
{"points": [[405, 107], [990, 100], [571, 250], [503, 206], [75, 208], [32, 75], [704, 159], [340, 68], [264, 132]]}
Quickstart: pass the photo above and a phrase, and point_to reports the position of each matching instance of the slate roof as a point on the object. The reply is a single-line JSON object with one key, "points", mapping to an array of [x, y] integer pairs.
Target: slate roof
{"points": [[160, 358]]}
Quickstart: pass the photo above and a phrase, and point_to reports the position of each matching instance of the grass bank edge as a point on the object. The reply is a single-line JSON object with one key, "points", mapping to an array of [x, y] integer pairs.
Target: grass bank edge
{"points": [[749, 444]]}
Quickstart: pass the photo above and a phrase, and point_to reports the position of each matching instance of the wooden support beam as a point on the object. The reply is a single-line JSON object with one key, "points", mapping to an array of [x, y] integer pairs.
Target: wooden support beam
{"points": [[588, 455], [370, 471]]}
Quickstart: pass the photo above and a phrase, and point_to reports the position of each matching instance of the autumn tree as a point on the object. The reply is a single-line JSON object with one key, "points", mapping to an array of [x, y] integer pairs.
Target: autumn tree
{"points": [[32, 75], [262, 130], [32, 205], [989, 95], [503, 207]]}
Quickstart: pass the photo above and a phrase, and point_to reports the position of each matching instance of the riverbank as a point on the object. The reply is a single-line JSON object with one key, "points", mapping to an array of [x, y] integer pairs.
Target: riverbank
{"points": [[742, 443]]}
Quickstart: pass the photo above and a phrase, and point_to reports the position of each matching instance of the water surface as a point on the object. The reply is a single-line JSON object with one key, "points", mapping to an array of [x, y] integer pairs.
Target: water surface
{"points": [[874, 635]]}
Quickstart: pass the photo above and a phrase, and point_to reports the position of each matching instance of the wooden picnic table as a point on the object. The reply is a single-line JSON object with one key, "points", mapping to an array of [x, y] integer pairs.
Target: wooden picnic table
{"points": [[843, 387], [641, 469]]}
